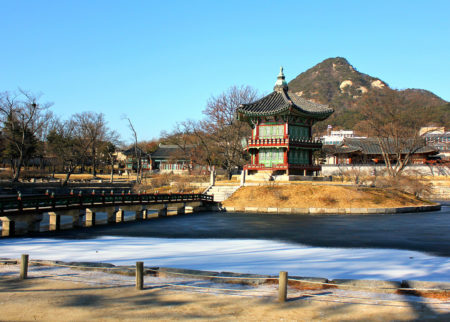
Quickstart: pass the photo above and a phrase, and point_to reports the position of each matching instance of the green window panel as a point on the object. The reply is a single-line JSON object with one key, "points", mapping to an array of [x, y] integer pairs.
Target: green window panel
{"points": [[298, 131], [271, 156], [271, 131]]}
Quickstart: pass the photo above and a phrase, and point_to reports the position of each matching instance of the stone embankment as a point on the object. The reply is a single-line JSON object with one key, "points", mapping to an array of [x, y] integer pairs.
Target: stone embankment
{"points": [[440, 192], [329, 211]]}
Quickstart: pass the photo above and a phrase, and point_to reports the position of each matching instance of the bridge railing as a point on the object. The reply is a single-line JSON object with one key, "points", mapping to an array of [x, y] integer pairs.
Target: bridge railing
{"points": [[48, 202]]}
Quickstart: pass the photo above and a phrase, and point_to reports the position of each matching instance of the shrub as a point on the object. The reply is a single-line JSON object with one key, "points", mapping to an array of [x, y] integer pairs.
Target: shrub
{"points": [[407, 184], [328, 200]]}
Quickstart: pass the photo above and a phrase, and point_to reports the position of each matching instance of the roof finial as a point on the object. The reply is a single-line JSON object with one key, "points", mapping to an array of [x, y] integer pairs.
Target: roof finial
{"points": [[281, 81]]}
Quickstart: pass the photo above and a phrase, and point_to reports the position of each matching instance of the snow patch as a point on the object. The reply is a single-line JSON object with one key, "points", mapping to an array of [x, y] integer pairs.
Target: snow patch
{"points": [[238, 255]]}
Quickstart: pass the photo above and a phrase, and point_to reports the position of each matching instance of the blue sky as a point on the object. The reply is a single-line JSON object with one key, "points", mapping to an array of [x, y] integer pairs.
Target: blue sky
{"points": [[158, 62]]}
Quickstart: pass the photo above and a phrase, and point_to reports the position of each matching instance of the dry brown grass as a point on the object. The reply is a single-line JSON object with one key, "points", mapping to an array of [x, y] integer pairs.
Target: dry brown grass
{"points": [[320, 196]]}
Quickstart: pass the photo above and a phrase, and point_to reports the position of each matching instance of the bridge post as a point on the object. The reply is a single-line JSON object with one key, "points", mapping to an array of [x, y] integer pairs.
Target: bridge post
{"points": [[90, 217], [145, 214], [141, 214], [181, 210], [54, 221], [120, 215], [111, 216], [8, 227], [162, 212], [77, 219], [34, 223]]}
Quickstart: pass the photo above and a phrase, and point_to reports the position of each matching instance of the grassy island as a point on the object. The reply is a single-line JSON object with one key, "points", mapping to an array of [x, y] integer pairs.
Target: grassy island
{"points": [[320, 196]]}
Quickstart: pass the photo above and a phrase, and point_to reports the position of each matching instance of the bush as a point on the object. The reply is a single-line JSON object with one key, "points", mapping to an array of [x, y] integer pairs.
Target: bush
{"points": [[407, 184], [328, 200]]}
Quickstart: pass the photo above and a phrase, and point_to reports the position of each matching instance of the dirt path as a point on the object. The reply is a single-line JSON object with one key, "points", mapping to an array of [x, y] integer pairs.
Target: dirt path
{"points": [[46, 298]]}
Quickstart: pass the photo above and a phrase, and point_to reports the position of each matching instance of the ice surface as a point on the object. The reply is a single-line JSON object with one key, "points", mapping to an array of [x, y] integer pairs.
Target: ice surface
{"points": [[238, 255]]}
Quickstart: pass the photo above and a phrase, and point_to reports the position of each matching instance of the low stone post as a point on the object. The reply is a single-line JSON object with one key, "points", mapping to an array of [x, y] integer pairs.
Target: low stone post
{"points": [[54, 221], [243, 173], [282, 287], [90, 217], [212, 178], [24, 267], [139, 275]]}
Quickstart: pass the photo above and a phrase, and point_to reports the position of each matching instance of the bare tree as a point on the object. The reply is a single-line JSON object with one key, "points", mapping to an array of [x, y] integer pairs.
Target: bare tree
{"points": [[67, 146], [137, 152], [92, 126], [224, 132], [24, 120], [192, 142], [396, 131], [110, 150]]}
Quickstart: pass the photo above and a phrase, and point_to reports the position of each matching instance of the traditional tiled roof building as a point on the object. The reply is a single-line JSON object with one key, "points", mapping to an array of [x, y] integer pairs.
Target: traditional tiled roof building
{"points": [[170, 158], [281, 141], [368, 151]]}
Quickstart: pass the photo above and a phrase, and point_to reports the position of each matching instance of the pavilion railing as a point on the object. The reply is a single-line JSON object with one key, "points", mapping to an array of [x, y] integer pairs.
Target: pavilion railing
{"points": [[283, 141]]}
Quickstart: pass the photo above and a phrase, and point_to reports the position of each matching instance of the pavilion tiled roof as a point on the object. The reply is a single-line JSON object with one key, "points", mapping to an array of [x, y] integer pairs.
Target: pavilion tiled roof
{"points": [[282, 101]]}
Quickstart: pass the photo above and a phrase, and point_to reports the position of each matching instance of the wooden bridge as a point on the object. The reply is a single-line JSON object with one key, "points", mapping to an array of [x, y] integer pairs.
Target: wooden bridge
{"points": [[83, 208]]}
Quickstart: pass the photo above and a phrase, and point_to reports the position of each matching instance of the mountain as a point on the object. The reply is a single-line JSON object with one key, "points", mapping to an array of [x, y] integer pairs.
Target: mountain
{"points": [[337, 83]]}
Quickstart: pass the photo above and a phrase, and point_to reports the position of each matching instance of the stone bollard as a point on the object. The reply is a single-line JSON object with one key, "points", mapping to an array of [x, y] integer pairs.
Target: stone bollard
{"points": [[139, 275], [282, 287], [243, 173], [24, 267], [212, 178]]}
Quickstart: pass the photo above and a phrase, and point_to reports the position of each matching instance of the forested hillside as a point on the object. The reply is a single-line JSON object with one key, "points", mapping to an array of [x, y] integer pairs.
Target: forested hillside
{"points": [[337, 83]]}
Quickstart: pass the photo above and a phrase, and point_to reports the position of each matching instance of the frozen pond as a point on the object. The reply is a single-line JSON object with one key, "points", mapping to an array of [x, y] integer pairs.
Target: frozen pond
{"points": [[238, 255]]}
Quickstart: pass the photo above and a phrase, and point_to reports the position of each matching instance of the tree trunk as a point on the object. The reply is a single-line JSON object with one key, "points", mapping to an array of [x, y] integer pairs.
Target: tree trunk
{"points": [[94, 168], [66, 180], [112, 171], [229, 175], [18, 167]]}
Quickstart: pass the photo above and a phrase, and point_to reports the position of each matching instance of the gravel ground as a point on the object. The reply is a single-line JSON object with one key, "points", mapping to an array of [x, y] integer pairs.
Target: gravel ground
{"points": [[55, 294]]}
